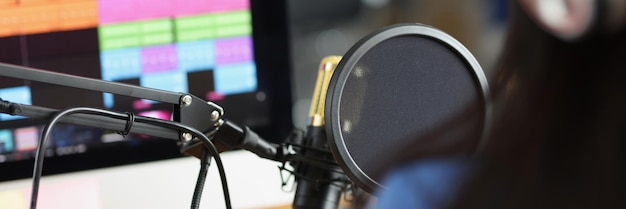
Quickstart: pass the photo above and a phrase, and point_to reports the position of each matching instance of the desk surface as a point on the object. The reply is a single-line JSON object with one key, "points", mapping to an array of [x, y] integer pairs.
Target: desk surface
{"points": [[253, 183]]}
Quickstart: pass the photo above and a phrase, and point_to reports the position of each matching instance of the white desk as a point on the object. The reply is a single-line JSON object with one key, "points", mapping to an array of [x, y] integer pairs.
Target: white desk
{"points": [[253, 182]]}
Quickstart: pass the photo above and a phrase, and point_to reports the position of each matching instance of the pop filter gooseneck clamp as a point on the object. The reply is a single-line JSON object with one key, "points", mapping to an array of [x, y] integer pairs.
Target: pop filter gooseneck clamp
{"points": [[394, 87]]}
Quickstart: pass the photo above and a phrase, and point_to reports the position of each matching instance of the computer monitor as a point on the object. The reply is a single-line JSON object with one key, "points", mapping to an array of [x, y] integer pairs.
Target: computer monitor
{"points": [[231, 52]]}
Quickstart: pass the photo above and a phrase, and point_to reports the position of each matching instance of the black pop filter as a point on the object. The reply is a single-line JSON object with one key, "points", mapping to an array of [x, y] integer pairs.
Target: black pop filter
{"points": [[396, 86]]}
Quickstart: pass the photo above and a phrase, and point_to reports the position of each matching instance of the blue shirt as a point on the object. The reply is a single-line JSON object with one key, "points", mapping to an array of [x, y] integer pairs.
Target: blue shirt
{"points": [[424, 184]]}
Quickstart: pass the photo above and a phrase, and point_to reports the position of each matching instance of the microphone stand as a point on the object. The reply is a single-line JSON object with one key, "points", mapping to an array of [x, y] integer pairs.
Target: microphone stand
{"points": [[192, 117], [320, 178], [188, 109]]}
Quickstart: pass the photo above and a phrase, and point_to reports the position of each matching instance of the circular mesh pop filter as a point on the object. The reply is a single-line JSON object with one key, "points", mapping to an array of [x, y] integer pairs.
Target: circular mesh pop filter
{"points": [[393, 88]]}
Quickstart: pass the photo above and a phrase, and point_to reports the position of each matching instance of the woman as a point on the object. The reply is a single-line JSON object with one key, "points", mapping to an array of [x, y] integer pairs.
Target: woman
{"points": [[559, 133]]}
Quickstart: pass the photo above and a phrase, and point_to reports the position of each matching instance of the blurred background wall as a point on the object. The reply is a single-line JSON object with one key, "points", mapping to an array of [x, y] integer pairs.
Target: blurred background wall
{"points": [[330, 27]]}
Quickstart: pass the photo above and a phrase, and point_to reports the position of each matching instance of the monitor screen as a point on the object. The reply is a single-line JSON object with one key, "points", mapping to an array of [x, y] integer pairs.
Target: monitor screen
{"points": [[230, 52]]}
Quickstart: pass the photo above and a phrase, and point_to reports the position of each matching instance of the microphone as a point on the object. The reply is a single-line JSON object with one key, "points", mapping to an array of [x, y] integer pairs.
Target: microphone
{"points": [[320, 184]]}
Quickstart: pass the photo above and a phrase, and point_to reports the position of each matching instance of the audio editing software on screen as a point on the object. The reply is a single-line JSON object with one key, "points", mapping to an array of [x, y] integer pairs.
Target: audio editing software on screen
{"points": [[203, 47]]}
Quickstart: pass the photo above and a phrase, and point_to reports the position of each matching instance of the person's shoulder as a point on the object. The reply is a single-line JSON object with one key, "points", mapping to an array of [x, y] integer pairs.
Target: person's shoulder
{"points": [[423, 183]]}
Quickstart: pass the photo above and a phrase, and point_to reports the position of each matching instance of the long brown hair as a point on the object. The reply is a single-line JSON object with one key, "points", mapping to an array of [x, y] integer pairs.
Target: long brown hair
{"points": [[558, 140]]}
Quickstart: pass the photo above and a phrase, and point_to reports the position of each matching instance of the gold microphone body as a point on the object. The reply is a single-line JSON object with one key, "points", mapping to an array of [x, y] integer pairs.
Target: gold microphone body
{"points": [[326, 69]]}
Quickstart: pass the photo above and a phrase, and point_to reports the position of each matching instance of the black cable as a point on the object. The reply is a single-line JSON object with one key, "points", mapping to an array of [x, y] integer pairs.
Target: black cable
{"points": [[205, 162], [209, 146], [39, 155], [207, 143]]}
